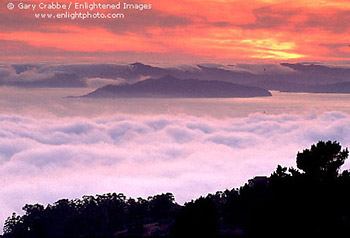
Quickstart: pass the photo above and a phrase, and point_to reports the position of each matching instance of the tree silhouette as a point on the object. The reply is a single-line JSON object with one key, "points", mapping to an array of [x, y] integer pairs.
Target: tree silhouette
{"points": [[197, 219], [311, 200], [323, 159], [315, 194]]}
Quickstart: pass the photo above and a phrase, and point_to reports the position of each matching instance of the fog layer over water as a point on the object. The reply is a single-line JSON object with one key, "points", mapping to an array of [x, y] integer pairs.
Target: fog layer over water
{"points": [[53, 147]]}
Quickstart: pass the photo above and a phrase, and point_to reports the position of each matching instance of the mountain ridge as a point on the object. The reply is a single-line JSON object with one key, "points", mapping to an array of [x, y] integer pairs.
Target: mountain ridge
{"points": [[172, 87]]}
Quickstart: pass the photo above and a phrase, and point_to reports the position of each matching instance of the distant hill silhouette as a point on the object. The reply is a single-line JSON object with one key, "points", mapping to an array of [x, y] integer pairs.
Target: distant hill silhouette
{"points": [[171, 87], [287, 77], [343, 87]]}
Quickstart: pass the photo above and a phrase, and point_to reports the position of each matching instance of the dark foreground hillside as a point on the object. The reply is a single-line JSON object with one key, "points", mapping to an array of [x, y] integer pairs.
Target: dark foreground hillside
{"points": [[311, 200]]}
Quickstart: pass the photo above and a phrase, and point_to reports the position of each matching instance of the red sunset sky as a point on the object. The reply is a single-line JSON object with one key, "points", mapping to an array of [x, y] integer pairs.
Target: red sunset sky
{"points": [[184, 31]]}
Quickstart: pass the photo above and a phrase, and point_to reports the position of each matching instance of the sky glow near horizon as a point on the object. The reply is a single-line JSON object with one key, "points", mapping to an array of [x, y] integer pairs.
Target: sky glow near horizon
{"points": [[184, 31]]}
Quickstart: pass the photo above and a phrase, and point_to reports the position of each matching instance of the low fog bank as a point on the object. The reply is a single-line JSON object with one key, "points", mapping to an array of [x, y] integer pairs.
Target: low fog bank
{"points": [[45, 159]]}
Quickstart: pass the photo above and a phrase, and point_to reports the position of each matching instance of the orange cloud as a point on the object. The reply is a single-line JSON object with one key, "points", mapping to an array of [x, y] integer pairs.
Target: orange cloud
{"points": [[214, 30], [79, 39]]}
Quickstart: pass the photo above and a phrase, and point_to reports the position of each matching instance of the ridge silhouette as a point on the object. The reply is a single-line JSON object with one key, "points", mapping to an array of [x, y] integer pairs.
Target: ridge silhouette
{"points": [[311, 200]]}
